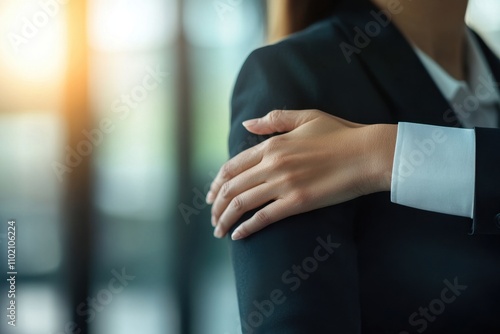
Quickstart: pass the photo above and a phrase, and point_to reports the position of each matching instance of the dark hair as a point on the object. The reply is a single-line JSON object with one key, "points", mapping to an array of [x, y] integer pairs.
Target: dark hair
{"points": [[289, 16]]}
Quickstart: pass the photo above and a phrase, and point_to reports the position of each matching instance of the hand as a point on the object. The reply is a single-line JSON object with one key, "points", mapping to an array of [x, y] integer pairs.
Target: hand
{"points": [[320, 160]]}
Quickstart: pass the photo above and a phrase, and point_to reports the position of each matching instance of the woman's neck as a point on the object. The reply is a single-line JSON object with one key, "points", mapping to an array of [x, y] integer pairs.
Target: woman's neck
{"points": [[437, 27]]}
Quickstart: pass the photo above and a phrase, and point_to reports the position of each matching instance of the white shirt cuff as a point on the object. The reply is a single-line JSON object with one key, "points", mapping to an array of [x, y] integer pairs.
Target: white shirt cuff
{"points": [[434, 169]]}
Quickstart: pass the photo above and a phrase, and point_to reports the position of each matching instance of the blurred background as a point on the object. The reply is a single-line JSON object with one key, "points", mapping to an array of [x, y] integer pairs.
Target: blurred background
{"points": [[114, 117]]}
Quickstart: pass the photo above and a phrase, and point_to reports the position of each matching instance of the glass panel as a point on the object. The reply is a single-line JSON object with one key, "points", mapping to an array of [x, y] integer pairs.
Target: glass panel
{"points": [[139, 311], [40, 309], [220, 34], [32, 137], [221, 23], [133, 98], [32, 54], [123, 25]]}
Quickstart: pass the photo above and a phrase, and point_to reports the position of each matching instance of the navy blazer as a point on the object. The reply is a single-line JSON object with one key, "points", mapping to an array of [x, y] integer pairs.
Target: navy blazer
{"points": [[390, 262]]}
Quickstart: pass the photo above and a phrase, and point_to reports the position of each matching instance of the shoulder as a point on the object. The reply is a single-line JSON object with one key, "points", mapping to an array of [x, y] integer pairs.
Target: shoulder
{"points": [[302, 59], [322, 40]]}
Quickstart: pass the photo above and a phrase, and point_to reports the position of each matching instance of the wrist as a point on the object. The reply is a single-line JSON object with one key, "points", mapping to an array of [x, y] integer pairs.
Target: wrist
{"points": [[380, 143]]}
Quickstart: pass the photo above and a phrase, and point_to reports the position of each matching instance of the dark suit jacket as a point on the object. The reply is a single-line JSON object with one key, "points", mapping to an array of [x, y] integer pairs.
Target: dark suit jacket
{"points": [[394, 269]]}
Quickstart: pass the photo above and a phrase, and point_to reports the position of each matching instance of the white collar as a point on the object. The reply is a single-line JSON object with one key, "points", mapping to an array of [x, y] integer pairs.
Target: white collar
{"points": [[479, 73]]}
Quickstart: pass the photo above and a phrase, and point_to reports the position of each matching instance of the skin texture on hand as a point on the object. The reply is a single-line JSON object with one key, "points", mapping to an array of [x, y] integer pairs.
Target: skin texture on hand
{"points": [[318, 160]]}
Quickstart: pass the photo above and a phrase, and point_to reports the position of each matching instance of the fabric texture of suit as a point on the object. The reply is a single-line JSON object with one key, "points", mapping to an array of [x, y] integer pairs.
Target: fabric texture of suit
{"points": [[367, 265]]}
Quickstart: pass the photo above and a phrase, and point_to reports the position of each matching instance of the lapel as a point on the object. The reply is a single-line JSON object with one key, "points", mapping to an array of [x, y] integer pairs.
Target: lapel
{"points": [[494, 64], [398, 73], [491, 58]]}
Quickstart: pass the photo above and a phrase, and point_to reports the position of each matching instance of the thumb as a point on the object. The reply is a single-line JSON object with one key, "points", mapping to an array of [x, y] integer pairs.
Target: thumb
{"points": [[279, 121]]}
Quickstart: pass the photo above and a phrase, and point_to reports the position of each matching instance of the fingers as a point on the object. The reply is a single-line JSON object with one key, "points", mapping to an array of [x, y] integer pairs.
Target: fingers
{"points": [[242, 203], [243, 161], [248, 179], [280, 121], [271, 213]]}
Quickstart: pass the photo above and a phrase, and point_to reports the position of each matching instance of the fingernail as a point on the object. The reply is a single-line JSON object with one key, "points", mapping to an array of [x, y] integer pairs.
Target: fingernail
{"points": [[213, 221], [250, 122], [218, 232], [236, 235], [209, 199]]}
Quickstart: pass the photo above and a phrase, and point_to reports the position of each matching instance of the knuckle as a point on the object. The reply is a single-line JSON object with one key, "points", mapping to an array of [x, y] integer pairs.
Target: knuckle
{"points": [[301, 197], [288, 179], [237, 203], [226, 171], [279, 161], [275, 115], [262, 218], [226, 190], [269, 145], [274, 142]]}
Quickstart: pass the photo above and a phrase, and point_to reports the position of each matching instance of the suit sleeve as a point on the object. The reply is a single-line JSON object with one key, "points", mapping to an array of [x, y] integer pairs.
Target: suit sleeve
{"points": [[307, 259], [487, 183]]}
